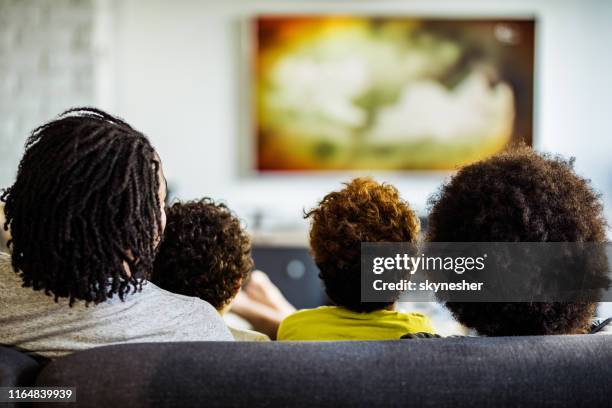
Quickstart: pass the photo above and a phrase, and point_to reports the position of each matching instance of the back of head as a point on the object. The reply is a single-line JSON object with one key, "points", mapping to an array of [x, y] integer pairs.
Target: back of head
{"points": [[363, 211], [205, 252], [83, 206], [518, 196]]}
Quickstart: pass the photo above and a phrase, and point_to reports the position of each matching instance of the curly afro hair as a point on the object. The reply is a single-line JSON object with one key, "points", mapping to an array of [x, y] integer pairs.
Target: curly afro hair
{"points": [[364, 211], [518, 196], [205, 252]]}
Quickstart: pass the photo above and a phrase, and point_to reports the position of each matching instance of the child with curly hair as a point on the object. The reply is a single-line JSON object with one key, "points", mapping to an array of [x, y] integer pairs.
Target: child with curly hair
{"points": [[363, 211], [205, 253], [520, 195]]}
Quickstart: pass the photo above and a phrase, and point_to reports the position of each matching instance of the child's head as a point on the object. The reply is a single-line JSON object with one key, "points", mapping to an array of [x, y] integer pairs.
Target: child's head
{"points": [[205, 253], [363, 211], [518, 196]]}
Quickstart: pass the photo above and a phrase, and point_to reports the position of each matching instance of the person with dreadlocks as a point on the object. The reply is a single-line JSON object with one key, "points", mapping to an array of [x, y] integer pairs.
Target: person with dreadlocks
{"points": [[85, 216]]}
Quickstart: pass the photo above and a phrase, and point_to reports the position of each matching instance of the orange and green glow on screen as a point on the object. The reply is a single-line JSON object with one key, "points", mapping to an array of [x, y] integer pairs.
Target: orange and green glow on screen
{"points": [[387, 93]]}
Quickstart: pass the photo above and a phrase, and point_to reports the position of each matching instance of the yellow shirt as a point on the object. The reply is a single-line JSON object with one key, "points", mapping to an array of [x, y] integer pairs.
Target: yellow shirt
{"points": [[339, 323]]}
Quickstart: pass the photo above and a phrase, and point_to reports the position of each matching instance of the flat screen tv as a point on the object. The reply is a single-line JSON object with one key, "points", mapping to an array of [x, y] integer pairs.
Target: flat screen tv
{"points": [[336, 93]]}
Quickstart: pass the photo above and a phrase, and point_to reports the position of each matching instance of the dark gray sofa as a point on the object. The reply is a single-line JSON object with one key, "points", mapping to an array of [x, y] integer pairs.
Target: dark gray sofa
{"points": [[17, 369], [454, 372]]}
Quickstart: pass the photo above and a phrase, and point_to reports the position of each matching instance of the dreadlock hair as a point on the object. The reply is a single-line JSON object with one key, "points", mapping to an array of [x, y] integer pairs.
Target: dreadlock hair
{"points": [[84, 204]]}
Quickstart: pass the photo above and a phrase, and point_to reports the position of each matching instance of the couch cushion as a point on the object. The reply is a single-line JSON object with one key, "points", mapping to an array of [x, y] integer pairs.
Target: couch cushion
{"points": [[17, 369], [459, 372]]}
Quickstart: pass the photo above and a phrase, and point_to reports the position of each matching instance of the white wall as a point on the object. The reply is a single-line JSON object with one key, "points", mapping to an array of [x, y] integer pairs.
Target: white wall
{"points": [[46, 66], [177, 68]]}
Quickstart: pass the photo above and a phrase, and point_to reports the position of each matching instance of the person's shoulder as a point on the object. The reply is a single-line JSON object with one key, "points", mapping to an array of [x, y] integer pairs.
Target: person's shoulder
{"points": [[303, 318], [194, 314], [314, 312], [8, 277], [247, 335], [5, 260], [414, 317], [161, 296], [152, 289], [416, 322]]}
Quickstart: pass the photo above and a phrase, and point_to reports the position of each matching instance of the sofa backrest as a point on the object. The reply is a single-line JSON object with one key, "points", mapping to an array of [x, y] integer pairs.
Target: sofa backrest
{"points": [[457, 372], [17, 369]]}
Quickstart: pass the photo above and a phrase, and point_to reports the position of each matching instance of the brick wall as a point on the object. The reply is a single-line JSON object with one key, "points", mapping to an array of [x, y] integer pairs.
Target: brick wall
{"points": [[46, 66]]}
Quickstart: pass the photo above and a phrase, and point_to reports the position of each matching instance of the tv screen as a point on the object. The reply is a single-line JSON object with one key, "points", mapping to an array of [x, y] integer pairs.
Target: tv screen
{"points": [[389, 93]]}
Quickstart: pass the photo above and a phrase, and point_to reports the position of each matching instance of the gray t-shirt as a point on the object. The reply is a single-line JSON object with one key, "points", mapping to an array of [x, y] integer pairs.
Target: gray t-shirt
{"points": [[33, 321]]}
